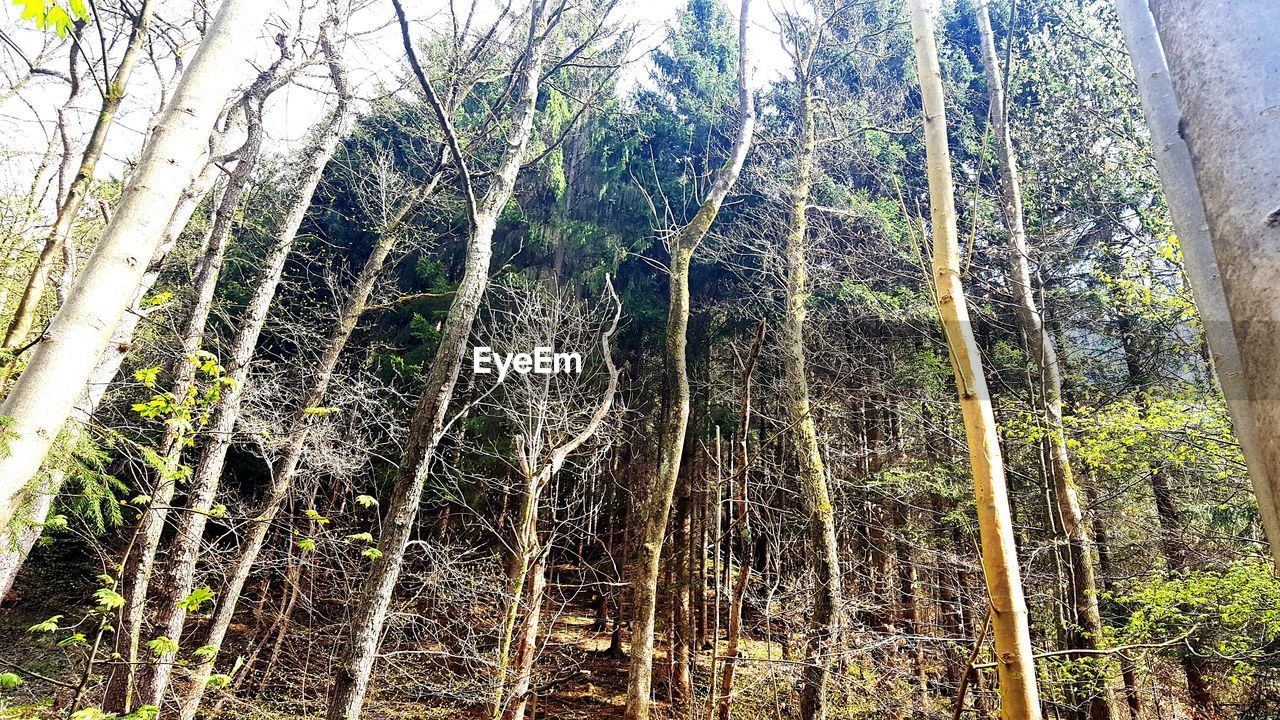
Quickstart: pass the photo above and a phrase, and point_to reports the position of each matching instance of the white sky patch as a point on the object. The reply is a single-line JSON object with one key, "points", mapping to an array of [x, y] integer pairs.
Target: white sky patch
{"points": [[374, 55]]}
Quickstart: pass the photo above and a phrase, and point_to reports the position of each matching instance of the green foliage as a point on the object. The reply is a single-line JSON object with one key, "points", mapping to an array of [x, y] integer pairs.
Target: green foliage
{"points": [[108, 599], [60, 17], [195, 408], [205, 652], [73, 640], [315, 517], [46, 626], [9, 680], [6, 433], [1233, 613], [198, 597], [162, 646]]}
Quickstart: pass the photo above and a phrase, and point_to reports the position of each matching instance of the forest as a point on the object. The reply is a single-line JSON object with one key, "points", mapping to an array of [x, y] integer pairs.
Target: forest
{"points": [[640, 359]]}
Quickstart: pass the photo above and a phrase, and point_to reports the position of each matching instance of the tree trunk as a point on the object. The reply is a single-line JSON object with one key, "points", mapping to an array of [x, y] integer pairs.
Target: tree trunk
{"points": [[355, 661], [824, 622], [44, 395], [70, 205], [1222, 68], [202, 489], [106, 370], [675, 415], [140, 562], [742, 518], [1128, 673], [1082, 586], [286, 466], [1016, 668]]}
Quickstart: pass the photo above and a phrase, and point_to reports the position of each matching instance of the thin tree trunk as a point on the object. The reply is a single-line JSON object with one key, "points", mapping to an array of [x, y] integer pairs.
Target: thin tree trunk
{"points": [[1127, 669], [681, 641], [39, 188], [675, 414], [824, 622], [742, 518], [355, 662], [286, 466], [1018, 691], [44, 395], [69, 207], [1082, 585], [138, 568], [185, 551]]}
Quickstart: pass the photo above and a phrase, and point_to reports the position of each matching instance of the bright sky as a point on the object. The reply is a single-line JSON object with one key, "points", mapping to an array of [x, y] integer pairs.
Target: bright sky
{"points": [[374, 54]]}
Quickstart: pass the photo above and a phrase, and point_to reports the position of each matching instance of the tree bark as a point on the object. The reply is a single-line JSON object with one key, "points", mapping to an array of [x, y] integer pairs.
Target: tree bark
{"points": [[1018, 690], [140, 563], [44, 395], [1217, 159], [1082, 587], [675, 414], [286, 466], [355, 662]]}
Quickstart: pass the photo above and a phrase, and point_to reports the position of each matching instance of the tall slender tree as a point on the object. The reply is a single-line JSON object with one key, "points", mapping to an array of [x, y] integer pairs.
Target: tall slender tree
{"points": [[1019, 693], [653, 518], [1086, 629], [430, 418]]}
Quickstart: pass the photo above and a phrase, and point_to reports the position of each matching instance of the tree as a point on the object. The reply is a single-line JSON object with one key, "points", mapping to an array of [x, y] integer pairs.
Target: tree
{"points": [[1018, 690], [430, 417], [1218, 57], [44, 395], [1086, 631], [675, 414]]}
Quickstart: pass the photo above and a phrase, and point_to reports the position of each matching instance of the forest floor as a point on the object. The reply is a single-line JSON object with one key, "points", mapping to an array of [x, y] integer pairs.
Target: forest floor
{"points": [[578, 678]]}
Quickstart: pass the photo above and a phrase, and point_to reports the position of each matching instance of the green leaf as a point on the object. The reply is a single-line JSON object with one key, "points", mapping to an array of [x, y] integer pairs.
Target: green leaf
{"points": [[371, 553], [196, 599], [9, 680], [50, 625], [162, 646], [147, 376], [74, 640], [108, 599], [205, 652], [307, 544], [367, 501]]}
